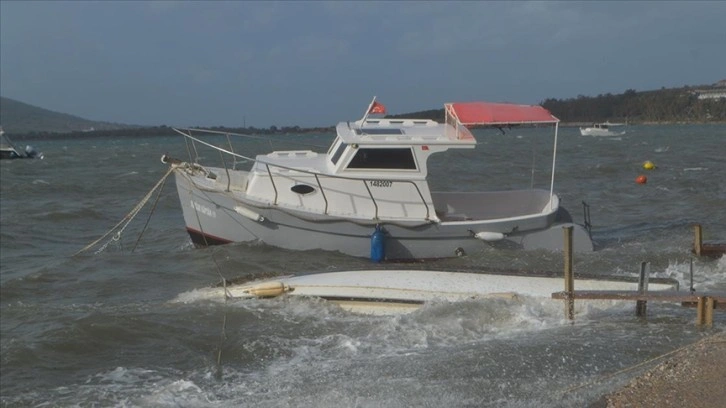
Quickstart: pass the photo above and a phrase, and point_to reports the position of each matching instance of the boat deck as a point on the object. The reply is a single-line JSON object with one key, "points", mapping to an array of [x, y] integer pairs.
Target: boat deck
{"points": [[492, 205]]}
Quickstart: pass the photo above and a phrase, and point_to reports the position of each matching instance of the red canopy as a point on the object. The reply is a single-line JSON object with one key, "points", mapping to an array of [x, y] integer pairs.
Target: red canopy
{"points": [[487, 113]]}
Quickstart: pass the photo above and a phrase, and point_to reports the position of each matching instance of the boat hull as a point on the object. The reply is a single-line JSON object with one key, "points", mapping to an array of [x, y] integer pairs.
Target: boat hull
{"points": [[401, 291], [218, 217], [599, 132]]}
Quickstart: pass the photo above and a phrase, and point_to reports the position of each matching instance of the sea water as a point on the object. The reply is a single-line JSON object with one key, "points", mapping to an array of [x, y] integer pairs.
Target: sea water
{"points": [[103, 328]]}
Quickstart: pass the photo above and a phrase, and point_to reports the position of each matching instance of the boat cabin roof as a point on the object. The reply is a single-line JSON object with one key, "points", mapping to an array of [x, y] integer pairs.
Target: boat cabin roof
{"points": [[453, 133], [401, 132]]}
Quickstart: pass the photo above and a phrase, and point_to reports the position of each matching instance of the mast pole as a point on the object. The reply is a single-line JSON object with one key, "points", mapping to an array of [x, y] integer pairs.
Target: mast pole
{"points": [[365, 116]]}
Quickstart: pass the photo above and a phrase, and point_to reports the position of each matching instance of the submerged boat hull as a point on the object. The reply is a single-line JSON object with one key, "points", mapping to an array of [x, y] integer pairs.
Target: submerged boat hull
{"points": [[400, 291], [218, 217]]}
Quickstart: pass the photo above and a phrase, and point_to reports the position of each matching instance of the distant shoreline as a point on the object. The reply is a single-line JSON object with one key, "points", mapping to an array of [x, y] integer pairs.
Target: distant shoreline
{"points": [[157, 131]]}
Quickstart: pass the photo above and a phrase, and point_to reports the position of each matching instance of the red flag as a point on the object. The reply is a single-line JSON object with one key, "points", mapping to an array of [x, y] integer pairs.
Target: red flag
{"points": [[377, 108]]}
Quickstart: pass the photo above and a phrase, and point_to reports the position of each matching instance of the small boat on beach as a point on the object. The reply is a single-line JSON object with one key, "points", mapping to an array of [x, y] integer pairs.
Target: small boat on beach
{"points": [[9, 151], [368, 195], [602, 129]]}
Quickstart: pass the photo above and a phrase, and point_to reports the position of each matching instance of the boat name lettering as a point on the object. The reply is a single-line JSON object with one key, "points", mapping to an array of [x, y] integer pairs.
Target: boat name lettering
{"points": [[381, 183], [204, 209]]}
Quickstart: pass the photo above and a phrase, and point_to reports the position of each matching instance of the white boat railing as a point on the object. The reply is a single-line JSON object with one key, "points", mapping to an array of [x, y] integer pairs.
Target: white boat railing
{"points": [[191, 140]]}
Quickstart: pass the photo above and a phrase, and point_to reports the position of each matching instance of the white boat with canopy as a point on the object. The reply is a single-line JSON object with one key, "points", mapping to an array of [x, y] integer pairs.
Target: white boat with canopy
{"points": [[368, 195]]}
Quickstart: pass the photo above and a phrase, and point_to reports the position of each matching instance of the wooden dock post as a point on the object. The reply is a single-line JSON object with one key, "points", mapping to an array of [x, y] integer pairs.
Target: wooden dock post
{"points": [[710, 305], [704, 312], [641, 305], [701, 248], [569, 277], [697, 239]]}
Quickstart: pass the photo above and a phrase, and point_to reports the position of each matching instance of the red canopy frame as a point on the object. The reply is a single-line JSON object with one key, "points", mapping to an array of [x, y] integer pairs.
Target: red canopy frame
{"points": [[463, 114], [498, 114]]}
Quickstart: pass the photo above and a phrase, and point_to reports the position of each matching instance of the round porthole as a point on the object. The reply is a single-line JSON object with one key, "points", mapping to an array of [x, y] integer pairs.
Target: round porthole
{"points": [[302, 189]]}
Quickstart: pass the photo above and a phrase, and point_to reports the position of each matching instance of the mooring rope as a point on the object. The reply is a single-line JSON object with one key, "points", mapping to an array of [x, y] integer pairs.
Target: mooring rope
{"points": [[153, 208], [127, 219]]}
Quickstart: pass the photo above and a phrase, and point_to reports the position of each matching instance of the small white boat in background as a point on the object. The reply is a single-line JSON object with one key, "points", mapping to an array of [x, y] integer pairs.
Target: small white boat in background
{"points": [[396, 291], [9, 151], [603, 129], [368, 195]]}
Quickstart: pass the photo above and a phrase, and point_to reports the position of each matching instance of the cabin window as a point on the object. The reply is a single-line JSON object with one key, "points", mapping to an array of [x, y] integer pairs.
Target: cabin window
{"points": [[332, 147], [338, 152], [383, 159]]}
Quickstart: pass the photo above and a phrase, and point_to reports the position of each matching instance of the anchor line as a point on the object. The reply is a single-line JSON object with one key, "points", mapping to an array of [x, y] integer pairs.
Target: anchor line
{"points": [[222, 338], [153, 208], [227, 294], [127, 219]]}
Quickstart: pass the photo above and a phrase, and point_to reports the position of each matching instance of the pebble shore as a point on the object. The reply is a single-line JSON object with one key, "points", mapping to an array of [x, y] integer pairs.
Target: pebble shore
{"points": [[693, 376]]}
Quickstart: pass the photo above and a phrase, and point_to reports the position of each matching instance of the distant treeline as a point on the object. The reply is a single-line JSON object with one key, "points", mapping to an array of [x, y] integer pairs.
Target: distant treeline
{"points": [[680, 105], [163, 131]]}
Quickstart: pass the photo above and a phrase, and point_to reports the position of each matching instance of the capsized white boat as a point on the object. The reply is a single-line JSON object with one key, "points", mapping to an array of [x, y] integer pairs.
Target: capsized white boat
{"points": [[369, 194], [395, 291], [602, 129]]}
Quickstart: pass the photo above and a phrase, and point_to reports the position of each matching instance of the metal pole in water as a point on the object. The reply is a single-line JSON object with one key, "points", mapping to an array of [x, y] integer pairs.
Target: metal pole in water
{"points": [[569, 278], [640, 305]]}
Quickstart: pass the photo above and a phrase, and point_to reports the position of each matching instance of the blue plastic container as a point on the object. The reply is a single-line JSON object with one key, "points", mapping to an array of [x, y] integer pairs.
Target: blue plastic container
{"points": [[378, 245]]}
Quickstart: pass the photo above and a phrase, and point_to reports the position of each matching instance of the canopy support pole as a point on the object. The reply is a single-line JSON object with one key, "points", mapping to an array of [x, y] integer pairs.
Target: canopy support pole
{"points": [[554, 160]]}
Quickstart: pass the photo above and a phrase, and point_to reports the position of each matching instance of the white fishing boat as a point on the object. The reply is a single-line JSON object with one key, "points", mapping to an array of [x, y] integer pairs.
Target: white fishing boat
{"points": [[368, 195], [9, 151], [603, 129], [395, 291]]}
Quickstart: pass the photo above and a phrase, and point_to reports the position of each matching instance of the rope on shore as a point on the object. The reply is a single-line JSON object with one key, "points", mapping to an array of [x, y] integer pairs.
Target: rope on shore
{"points": [[128, 218], [633, 367]]}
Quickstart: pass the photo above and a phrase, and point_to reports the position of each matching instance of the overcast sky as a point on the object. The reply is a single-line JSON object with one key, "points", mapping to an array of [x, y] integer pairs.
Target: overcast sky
{"points": [[318, 63]]}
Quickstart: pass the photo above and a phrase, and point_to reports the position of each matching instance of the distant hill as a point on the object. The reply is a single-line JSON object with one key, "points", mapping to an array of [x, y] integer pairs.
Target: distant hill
{"points": [[21, 118], [689, 104]]}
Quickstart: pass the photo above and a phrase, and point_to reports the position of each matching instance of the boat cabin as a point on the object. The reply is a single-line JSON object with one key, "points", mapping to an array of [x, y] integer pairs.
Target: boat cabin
{"points": [[398, 148], [376, 168]]}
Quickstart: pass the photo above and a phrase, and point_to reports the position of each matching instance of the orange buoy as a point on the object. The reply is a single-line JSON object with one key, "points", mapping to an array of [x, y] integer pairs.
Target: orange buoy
{"points": [[641, 179], [267, 289]]}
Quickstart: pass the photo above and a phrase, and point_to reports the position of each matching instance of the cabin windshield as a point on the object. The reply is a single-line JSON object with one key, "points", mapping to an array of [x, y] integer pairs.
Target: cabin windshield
{"points": [[338, 151], [383, 158]]}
